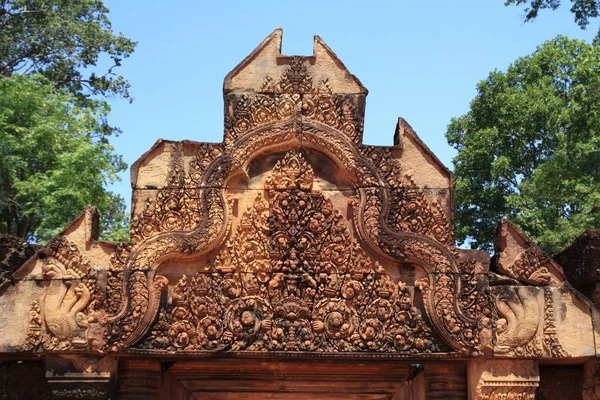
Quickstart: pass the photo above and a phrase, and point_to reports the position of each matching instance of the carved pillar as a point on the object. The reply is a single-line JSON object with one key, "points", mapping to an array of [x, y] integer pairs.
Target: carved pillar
{"points": [[503, 379], [591, 380], [81, 377], [447, 382], [139, 379]]}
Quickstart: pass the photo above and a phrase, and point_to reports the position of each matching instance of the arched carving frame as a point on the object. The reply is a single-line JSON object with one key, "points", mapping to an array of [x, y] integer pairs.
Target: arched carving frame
{"points": [[441, 290]]}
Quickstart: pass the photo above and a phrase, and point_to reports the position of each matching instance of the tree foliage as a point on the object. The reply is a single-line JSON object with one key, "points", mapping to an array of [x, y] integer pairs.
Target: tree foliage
{"points": [[582, 10], [65, 41], [50, 165], [529, 148]]}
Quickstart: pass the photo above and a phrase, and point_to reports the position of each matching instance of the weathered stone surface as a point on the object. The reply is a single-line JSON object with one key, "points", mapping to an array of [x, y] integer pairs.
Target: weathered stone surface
{"points": [[591, 380], [445, 381], [572, 324], [581, 260], [81, 376], [519, 258], [581, 263], [142, 379], [24, 380]]}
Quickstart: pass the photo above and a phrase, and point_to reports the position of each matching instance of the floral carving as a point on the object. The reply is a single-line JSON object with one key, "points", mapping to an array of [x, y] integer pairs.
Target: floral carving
{"points": [[292, 278], [293, 172], [415, 213], [551, 343], [294, 94], [178, 206], [295, 78], [336, 111], [411, 209], [246, 113]]}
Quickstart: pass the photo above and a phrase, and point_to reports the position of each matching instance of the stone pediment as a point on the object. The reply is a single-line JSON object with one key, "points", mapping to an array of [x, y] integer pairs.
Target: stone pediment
{"points": [[292, 238], [266, 70]]}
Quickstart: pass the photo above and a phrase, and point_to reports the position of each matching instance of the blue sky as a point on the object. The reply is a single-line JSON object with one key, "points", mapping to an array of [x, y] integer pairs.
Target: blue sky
{"points": [[420, 60]]}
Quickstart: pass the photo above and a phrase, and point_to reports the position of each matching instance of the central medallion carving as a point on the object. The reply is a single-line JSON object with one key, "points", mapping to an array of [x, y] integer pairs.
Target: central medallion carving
{"points": [[292, 278]]}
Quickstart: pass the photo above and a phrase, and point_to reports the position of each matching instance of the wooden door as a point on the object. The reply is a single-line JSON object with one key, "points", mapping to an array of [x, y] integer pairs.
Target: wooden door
{"points": [[293, 379]]}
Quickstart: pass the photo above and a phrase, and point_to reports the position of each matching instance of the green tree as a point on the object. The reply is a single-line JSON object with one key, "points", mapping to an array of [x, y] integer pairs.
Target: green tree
{"points": [[50, 166], [583, 10], [65, 41], [529, 148]]}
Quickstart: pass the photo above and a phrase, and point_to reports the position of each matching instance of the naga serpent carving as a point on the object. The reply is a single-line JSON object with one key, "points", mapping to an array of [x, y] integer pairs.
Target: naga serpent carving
{"points": [[521, 313], [64, 302], [441, 289]]}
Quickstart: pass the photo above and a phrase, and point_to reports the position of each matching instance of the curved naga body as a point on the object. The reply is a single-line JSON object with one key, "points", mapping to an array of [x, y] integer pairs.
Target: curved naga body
{"points": [[64, 302]]}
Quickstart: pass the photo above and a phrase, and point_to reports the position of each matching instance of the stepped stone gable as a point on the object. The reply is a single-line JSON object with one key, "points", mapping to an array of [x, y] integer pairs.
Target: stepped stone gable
{"points": [[293, 240]]}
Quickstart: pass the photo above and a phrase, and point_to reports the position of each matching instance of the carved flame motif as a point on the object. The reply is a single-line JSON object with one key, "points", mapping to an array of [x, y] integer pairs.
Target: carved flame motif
{"points": [[292, 278], [296, 79], [292, 172]]}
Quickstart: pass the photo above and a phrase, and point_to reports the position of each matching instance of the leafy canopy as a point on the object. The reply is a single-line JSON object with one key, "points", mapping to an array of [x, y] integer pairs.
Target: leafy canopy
{"points": [[50, 166], [65, 41], [529, 148], [583, 10]]}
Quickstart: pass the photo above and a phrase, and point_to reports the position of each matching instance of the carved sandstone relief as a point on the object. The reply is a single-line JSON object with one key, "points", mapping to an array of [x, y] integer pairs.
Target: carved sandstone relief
{"points": [[292, 278], [519, 326], [504, 380], [525, 324], [61, 321], [217, 165], [134, 291], [521, 259], [293, 236]]}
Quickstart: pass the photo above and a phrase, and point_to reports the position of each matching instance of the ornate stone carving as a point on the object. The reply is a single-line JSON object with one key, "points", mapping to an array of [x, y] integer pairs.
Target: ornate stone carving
{"points": [[245, 113], [177, 207], [292, 278], [63, 324], [504, 380], [338, 112], [551, 343], [519, 258], [294, 239], [295, 93], [81, 377], [519, 327], [35, 334], [295, 79], [411, 210]]}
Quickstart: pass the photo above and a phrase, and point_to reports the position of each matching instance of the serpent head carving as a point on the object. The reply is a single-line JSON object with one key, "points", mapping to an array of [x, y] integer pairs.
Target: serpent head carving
{"points": [[521, 313]]}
